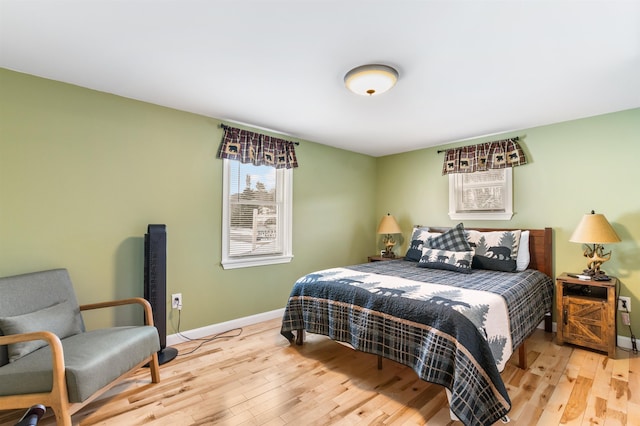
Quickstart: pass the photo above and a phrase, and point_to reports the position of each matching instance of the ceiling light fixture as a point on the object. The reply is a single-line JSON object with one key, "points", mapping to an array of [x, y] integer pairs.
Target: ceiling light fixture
{"points": [[372, 79]]}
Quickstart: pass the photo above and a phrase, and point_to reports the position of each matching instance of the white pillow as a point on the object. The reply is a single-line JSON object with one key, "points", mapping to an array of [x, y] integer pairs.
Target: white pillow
{"points": [[524, 257]]}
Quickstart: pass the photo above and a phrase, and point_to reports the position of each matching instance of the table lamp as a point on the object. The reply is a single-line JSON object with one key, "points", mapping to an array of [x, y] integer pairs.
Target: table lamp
{"points": [[594, 230], [388, 226]]}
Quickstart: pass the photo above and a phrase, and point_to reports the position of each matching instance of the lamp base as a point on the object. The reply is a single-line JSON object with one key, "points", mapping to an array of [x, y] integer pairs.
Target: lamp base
{"points": [[389, 254], [596, 275], [601, 277]]}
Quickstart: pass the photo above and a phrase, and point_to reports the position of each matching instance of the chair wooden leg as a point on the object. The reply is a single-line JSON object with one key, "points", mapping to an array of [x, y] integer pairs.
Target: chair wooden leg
{"points": [[155, 368], [63, 416]]}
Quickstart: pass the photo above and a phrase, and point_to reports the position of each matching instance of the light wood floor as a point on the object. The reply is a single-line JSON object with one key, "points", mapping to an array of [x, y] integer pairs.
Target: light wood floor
{"points": [[259, 379]]}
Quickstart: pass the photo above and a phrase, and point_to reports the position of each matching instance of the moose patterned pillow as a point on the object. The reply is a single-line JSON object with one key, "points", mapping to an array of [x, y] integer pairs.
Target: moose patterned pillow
{"points": [[458, 261], [496, 250]]}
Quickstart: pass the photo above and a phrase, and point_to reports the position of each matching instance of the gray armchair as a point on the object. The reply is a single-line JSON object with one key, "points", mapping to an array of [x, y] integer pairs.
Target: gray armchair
{"points": [[48, 357]]}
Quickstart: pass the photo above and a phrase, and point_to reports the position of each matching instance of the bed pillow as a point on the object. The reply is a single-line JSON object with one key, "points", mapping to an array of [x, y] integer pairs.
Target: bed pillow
{"points": [[59, 319], [418, 237], [495, 250], [415, 251], [457, 261], [455, 239], [524, 257]]}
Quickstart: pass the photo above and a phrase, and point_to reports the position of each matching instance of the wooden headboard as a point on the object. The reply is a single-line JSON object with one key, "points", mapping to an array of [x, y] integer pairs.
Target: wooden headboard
{"points": [[540, 246]]}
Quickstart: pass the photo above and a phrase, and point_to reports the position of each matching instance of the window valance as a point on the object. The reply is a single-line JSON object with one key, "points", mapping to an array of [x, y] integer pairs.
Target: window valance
{"points": [[483, 157], [258, 149]]}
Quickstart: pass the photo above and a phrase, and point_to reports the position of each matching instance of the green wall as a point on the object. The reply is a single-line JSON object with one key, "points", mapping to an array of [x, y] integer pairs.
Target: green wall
{"points": [[574, 167], [82, 174]]}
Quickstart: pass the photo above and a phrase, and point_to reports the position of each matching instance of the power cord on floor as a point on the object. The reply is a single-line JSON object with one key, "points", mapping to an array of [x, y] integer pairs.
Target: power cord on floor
{"points": [[202, 341], [634, 345]]}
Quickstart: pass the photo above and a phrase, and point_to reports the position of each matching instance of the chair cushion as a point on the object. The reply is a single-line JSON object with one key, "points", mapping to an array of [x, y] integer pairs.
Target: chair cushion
{"points": [[59, 319], [93, 359]]}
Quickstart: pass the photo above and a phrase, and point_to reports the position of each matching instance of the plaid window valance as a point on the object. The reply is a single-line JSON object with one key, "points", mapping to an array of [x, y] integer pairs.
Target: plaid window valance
{"points": [[256, 148], [483, 157]]}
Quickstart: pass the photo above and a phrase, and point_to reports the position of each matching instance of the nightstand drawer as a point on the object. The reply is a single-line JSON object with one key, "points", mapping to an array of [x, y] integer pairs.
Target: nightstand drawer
{"points": [[584, 322], [584, 309]]}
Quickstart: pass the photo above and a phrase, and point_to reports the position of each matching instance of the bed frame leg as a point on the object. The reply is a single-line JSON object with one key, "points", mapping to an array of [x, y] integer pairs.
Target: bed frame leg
{"points": [[379, 362], [522, 356], [522, 351], [300, 337], [548, 324]]}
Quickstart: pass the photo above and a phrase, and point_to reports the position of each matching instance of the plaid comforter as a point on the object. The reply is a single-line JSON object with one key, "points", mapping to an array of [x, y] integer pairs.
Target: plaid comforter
{"points": [[433, 337]]}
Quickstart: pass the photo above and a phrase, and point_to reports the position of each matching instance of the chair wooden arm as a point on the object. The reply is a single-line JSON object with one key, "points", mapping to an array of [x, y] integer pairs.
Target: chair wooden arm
{"points": [[57, 354], [148, 313]]}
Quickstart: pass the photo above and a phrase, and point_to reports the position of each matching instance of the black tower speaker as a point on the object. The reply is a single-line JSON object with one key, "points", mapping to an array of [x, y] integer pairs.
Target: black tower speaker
{"points": [[155, 285]]}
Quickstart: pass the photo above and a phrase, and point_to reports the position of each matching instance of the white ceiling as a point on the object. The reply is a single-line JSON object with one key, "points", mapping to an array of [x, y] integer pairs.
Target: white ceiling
{"points": [[467, 68]]}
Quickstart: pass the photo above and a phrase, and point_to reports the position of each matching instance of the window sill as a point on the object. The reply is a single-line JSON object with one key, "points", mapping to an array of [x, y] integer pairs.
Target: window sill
{"points": [[480, 216], [255, 261]]}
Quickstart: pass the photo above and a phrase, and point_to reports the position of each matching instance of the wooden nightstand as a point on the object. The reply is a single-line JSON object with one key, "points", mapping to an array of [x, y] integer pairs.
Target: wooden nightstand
{"points": [[586, 313], [381, 258]]}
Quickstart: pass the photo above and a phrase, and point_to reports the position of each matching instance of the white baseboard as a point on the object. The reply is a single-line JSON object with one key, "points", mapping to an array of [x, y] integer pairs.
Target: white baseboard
{"points": [[624, 342], [209, 330]]}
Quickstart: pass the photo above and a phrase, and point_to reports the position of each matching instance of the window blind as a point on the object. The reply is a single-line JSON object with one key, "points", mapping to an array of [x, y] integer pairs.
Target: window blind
{"points": [[255, 206]]}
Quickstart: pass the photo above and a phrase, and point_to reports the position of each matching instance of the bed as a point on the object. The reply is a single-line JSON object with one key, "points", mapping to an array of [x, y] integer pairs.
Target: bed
{"points": [[454, 317]]}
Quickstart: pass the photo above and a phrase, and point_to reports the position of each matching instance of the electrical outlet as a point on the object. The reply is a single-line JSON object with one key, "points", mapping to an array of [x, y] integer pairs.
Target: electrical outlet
{"points": [[625, 318], [176, 300], [627, 301]]}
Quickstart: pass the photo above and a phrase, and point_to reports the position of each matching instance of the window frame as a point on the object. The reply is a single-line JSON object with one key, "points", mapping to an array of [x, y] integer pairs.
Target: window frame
{"points": [[284, 189]]}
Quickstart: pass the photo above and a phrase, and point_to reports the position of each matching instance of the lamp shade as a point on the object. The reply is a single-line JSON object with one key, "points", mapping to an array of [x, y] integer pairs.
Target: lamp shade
{"points": [[371, 79], [594, 229], [388, 225]]}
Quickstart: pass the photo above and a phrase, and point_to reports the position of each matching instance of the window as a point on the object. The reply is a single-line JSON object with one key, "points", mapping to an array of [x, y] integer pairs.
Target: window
{"points": [[481, 195], [256, 215]]}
